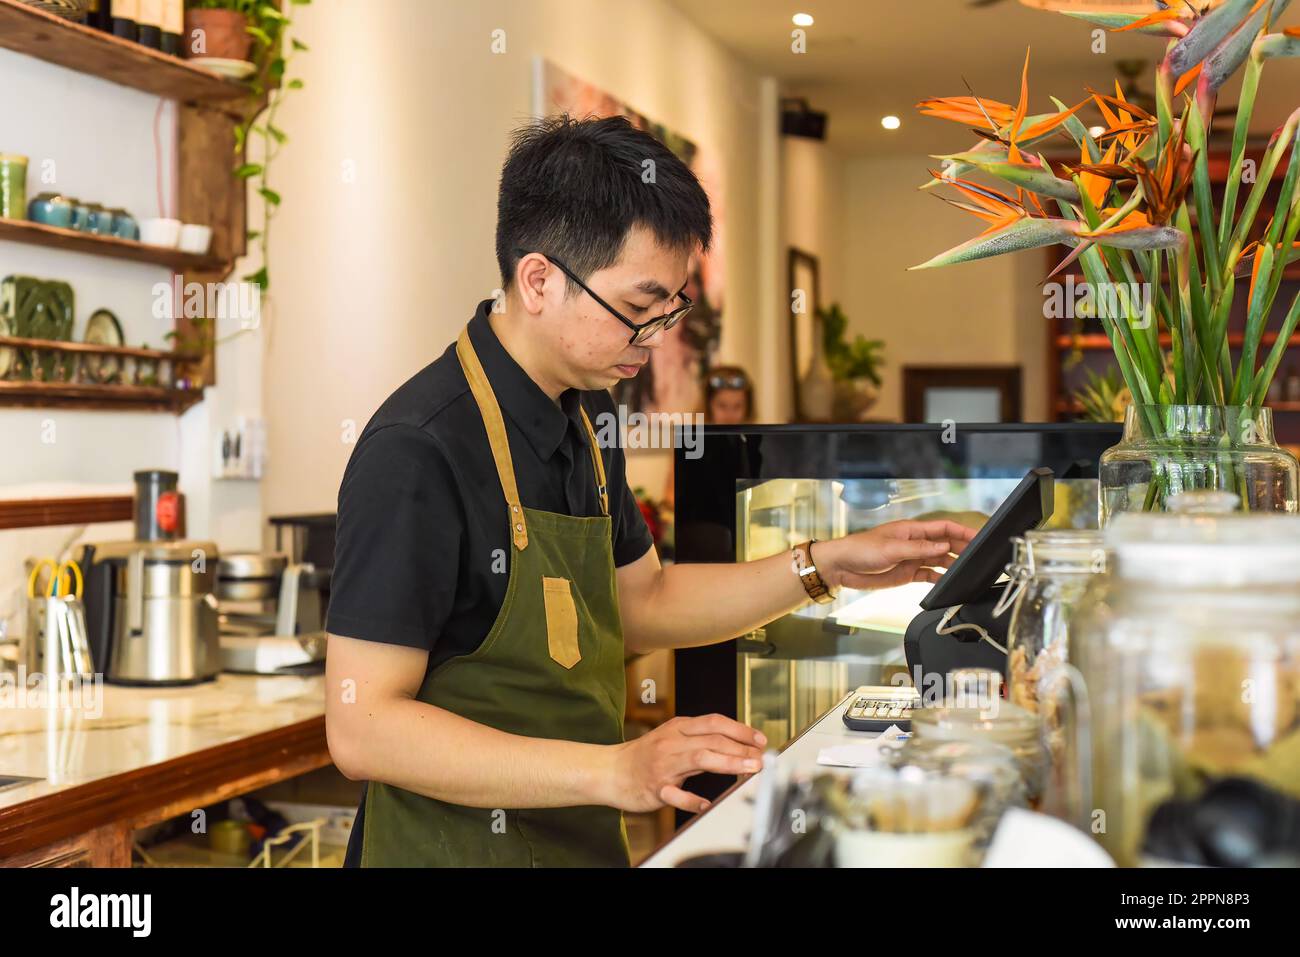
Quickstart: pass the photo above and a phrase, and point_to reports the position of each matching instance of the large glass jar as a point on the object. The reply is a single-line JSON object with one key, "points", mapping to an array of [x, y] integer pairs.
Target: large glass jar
{"points": [[1168, 449], [1192, 676], [1051, 574]]}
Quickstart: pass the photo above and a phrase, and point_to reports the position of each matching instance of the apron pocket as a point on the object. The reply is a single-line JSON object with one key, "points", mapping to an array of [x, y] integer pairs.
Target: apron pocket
{"points": [[561, 621]]}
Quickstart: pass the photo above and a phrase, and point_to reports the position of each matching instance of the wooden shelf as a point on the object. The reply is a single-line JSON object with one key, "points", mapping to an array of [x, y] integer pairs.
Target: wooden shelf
{"points": [[94, 348], [44, 512], [1097, 341], [63, 395], [44, 36], [54, 237]]}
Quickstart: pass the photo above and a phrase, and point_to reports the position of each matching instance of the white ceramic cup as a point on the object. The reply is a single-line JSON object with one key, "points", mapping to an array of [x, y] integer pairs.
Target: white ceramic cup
{"points": [[884, 849], [195, 238], [160, 232]]}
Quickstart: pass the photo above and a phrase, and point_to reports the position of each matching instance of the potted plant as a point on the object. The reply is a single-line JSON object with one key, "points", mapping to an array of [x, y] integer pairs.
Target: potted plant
{"points": [[854, 366], [1127, 210], [219, 28], [265, 43]]}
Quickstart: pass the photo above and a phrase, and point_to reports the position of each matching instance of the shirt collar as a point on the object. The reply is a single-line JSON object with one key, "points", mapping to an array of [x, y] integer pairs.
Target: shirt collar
{"points": [[542, 421]]}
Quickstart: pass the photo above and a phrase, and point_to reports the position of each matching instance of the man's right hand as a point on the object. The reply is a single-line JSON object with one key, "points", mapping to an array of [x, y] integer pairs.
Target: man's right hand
{"points": [[648, 771]]}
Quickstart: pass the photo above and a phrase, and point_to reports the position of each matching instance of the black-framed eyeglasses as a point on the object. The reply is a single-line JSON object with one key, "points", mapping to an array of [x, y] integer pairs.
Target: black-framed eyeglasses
{"points": [[641, 331]]}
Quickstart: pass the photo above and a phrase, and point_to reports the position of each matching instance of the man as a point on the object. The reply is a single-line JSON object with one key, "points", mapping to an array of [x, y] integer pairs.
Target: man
{"points": [[492, 567]]}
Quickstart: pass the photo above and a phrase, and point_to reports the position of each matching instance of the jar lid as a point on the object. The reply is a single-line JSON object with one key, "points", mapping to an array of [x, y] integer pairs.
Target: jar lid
{"points": [[1001, 723], [1237, 549], [1081, 547], [973, 709]]}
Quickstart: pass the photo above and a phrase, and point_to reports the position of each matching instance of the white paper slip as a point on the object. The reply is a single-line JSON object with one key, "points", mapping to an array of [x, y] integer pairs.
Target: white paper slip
{"points": [[861, 754]]}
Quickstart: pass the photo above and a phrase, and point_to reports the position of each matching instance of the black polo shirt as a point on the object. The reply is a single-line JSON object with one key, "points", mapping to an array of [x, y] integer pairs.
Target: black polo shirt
{"points": [[423, 546]]}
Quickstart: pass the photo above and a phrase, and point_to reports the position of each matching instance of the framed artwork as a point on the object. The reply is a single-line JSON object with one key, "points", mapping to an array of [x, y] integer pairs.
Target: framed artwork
{"points": [[673, 381], [803, 297], [971, 394]]}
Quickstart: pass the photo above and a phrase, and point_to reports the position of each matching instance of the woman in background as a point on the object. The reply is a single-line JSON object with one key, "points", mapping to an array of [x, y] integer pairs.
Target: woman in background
{"points": [[728, 396], [728, 400]]}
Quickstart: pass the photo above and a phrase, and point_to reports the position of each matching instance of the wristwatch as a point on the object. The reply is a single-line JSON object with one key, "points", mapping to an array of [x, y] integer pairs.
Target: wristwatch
{"points": [[813, 583]]}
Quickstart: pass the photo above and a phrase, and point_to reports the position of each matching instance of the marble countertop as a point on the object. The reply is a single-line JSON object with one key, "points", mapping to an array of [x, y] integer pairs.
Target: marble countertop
{"points": [[111, 730]]}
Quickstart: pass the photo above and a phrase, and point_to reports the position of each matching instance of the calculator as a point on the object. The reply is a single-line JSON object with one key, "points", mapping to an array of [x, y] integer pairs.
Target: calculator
{"points": [[876, 707]]}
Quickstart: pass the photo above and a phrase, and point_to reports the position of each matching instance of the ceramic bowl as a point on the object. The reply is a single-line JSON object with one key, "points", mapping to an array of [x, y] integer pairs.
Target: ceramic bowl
{"points": [[195, 238], [161, 232]]}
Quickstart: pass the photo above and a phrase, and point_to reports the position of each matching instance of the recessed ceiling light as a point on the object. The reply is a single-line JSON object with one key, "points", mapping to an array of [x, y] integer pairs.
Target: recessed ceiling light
{"points": [[802, 19], [890, 122], [1096, 131]]}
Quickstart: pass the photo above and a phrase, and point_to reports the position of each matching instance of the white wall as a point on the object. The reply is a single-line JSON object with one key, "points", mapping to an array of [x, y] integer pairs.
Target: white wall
{"points": [[94, 140], [374, 277], [987, 312]]}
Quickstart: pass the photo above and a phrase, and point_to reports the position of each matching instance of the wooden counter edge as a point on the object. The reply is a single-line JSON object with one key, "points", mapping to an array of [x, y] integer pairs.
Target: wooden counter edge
{"points": [[123, 802]]}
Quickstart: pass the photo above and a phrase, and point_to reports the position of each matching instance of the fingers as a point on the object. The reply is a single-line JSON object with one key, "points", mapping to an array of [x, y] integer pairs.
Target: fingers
{"points": [[721, 724], [935, 530], [724, 745], [922, 570], [702, 759], [682, 800], [906, 550]]}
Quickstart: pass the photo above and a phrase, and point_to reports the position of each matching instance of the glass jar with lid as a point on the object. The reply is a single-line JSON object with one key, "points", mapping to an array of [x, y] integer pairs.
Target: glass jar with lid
{"points": [[1192, 678], [974, 710], [1053, 573], [991, 768], [1050, 573]]}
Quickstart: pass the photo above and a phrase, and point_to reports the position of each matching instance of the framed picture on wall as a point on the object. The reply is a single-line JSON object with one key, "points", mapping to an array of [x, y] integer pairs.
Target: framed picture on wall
{"points": [[804, 299], [983, 394]]}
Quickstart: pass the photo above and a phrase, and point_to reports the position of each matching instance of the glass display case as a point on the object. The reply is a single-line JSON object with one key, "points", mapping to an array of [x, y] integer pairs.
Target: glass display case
{"points": [[756, 491]]}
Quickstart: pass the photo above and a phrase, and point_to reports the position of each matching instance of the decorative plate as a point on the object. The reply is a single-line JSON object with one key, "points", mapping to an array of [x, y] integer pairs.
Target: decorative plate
{"points": [[8, 357], [103, 329]]}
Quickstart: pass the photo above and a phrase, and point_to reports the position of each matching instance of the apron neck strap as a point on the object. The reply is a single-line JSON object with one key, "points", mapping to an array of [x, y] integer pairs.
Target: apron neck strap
{"points": [[598, 463], [496, 433]]}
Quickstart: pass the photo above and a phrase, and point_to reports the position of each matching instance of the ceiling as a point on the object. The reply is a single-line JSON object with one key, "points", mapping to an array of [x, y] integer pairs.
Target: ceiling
{"points": [[869, 58]]}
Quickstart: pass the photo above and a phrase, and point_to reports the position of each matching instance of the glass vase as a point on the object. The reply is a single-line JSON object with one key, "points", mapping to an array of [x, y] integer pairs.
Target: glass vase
{"points": [[1170, 449]]}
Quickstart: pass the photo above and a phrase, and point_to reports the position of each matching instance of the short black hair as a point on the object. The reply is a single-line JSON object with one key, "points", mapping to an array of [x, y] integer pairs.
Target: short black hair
{"points": [[573, 189]]}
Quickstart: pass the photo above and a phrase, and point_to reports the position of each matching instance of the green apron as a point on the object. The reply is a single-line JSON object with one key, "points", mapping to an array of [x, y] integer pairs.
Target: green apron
{"points": [[550, 667]]}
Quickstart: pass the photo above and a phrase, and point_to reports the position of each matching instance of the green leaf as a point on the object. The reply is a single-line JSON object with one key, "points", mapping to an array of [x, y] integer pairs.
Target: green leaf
{"points": [[1022, 234], [259, 34], [254, 234], [295, 84], [299, 45], [260, 277], [1036, 179], [248, 170], [270, 195], [279, 134], [269, 12]]}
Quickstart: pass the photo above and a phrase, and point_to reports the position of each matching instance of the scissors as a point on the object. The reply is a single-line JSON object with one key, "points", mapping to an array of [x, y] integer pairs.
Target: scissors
{"points": [[61, 579]]}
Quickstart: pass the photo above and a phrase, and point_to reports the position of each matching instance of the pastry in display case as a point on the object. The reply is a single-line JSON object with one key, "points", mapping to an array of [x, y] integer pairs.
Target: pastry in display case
{"points": [[756, 491]]}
